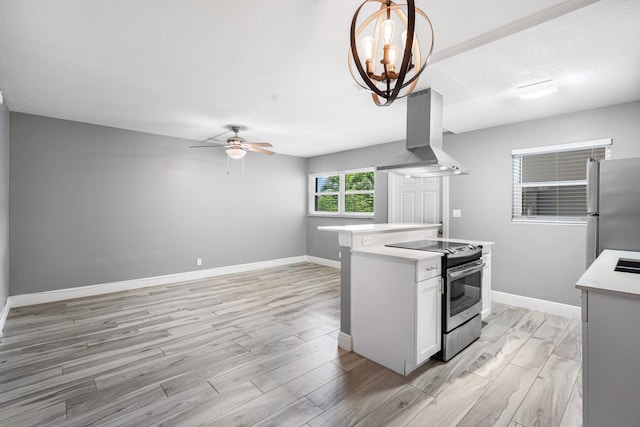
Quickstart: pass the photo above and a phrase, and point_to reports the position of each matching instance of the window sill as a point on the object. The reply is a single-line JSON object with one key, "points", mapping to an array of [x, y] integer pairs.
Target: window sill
{"points": [[548, 222], [354, 216]]}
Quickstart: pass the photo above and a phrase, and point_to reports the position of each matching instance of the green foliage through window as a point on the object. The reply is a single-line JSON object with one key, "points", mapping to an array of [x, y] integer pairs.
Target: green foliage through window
{"points": [[359, 181], [358, 203], [328, 184], [350, 193], [327, 203]]}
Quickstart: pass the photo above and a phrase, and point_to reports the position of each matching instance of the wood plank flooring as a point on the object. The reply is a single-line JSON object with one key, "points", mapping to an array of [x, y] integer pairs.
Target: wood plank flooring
{"points": [[260, 348]]}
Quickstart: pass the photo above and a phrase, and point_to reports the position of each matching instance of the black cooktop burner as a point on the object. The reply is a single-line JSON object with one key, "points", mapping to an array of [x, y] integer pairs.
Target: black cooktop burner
{"points": [[429, 245], [455, 253]]}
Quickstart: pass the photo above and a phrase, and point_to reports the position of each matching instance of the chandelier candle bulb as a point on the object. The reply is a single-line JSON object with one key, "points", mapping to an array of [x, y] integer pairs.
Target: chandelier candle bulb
{"points": [[387, 31], [368, 46], [393, 56]]}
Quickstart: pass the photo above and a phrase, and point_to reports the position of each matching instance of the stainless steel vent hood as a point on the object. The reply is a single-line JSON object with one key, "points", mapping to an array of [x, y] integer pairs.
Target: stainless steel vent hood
{"points": [[424, 155]]}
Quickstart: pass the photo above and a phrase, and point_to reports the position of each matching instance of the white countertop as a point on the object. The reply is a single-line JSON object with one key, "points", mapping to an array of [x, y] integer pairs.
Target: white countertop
{"points": [[376, 228], [399, 253], [475, 242], [601, 277]]}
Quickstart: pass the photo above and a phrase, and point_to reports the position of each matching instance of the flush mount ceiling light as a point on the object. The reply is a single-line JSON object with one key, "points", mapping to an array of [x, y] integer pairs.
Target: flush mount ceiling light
{"points": [[536, 90], [378, 67]]}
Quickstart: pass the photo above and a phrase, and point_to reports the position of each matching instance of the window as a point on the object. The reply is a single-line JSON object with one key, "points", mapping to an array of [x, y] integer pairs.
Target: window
{"points": [[349, 193], [550, 183]]}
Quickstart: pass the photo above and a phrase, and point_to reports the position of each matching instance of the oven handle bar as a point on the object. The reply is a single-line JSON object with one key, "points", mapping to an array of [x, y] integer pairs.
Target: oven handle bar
{"points": [[476, 267]]}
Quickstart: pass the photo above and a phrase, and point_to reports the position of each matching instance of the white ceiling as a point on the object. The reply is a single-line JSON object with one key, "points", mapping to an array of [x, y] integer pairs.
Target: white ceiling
{"points": [[279, 67]]}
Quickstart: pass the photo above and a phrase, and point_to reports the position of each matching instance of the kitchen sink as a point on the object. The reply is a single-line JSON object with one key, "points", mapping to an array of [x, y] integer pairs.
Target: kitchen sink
{"points": [[628, 265]]}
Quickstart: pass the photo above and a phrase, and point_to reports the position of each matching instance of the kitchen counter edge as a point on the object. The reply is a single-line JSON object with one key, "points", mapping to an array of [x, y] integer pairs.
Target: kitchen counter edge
{"points": [[601, 276], [376, 228], [398, 253]]}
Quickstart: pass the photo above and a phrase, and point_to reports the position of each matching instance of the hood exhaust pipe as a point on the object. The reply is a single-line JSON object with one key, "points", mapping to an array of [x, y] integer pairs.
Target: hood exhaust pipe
{"points": [[424, 156]]}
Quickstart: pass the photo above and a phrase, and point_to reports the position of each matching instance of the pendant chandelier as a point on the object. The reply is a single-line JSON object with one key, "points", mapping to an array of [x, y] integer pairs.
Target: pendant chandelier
{"points": [[378, 68]]}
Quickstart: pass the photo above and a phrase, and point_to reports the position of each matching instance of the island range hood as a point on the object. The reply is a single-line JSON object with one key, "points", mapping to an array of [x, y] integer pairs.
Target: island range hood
{"points": [[424, 155]]}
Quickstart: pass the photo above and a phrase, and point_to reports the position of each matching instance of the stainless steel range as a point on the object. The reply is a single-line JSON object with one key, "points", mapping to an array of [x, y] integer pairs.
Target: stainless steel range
{"points": [[462, 290]]}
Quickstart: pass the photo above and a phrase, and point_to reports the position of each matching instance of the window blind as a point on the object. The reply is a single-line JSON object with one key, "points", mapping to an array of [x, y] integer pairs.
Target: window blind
{"points": [[550, 186]]}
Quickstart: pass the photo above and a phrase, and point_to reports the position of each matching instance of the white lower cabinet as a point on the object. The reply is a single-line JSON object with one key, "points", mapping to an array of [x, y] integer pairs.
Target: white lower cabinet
{"points": [[428, 319], [610, 361], [396, 310]]}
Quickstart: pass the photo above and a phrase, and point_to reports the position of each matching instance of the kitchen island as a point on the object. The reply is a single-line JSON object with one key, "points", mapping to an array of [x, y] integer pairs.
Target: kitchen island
{"points": [[610, 342], [396, 306], [367, 235], [370, 239]]}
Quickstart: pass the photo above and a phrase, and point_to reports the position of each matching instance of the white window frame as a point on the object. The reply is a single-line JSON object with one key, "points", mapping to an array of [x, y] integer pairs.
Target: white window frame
{"points": [[341, 194], [516, 196]]}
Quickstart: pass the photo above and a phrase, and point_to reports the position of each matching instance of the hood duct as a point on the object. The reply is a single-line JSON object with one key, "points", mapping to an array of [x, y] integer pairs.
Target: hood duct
{"points": [[424, 155]]}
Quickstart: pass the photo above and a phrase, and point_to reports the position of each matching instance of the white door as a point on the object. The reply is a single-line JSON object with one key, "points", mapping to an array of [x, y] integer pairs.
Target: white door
{"points": [[415, 200]]}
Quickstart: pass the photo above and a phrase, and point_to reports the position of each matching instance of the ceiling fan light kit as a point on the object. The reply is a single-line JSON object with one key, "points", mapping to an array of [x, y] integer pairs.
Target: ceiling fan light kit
{"points": [[235, 153], [236, 147], [395, 77]]}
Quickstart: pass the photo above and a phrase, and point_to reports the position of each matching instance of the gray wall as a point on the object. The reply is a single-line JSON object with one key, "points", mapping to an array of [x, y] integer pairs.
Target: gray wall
{"points": [[538, 261], [324, 244], [92, 204], [533, 260], [4, 205]]}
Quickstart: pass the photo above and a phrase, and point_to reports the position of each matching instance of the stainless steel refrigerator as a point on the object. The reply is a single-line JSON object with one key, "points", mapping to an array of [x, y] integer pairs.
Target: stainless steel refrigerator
{"points": [[613, 206]]}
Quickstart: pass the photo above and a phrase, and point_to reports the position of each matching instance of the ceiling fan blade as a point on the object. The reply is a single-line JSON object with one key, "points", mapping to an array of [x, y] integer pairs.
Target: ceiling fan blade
{"points": [[259, 144], [260, 150], [214, 138], [209, 146]]}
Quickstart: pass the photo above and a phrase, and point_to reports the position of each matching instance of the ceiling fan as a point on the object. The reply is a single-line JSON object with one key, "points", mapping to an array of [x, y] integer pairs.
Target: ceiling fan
{"points": [[236, 146]]}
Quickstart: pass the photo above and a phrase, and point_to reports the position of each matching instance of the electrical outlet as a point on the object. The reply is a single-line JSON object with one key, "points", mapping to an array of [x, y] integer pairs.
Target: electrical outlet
{"points": [[198, 262], [457, 213], [339, 255], [366, 241]]}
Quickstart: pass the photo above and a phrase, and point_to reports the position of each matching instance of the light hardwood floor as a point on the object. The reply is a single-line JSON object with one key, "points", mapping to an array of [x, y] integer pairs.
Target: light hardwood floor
{"points": [[260, 348]]}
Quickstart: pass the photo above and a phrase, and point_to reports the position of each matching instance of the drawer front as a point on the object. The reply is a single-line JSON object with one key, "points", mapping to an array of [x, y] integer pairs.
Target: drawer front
{"points": [[427, 269]]}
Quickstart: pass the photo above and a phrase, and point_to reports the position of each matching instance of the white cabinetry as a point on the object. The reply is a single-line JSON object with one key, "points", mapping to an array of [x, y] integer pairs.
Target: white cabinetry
{"points": [[610, 348], [610, 342], [428, 319], [396, 309]]}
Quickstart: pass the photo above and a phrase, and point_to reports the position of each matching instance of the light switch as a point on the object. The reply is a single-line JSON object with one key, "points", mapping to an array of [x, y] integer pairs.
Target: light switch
{"points": [[457, 213]]}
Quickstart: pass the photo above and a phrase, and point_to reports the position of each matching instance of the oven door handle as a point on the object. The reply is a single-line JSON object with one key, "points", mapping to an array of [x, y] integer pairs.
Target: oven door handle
{"points": [[476, 267]]}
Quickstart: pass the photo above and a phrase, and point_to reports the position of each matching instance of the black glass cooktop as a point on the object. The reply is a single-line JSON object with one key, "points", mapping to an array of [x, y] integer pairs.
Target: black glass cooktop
{"points": [[428, 245]]}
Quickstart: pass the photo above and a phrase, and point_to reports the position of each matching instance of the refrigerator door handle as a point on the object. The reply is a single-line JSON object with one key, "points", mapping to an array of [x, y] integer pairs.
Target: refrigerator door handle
{"points": [[593, 180], [592, 238]]}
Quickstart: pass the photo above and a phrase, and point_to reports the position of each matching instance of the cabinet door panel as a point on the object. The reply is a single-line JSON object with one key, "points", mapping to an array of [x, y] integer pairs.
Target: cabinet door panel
{"points": [[428, 318]]}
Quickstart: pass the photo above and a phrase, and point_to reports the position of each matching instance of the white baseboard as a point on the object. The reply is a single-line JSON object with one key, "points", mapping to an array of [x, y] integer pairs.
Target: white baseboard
{"points": [[345, 341], [3, 315], [323, 261], [550, 307], [125, 285]]}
